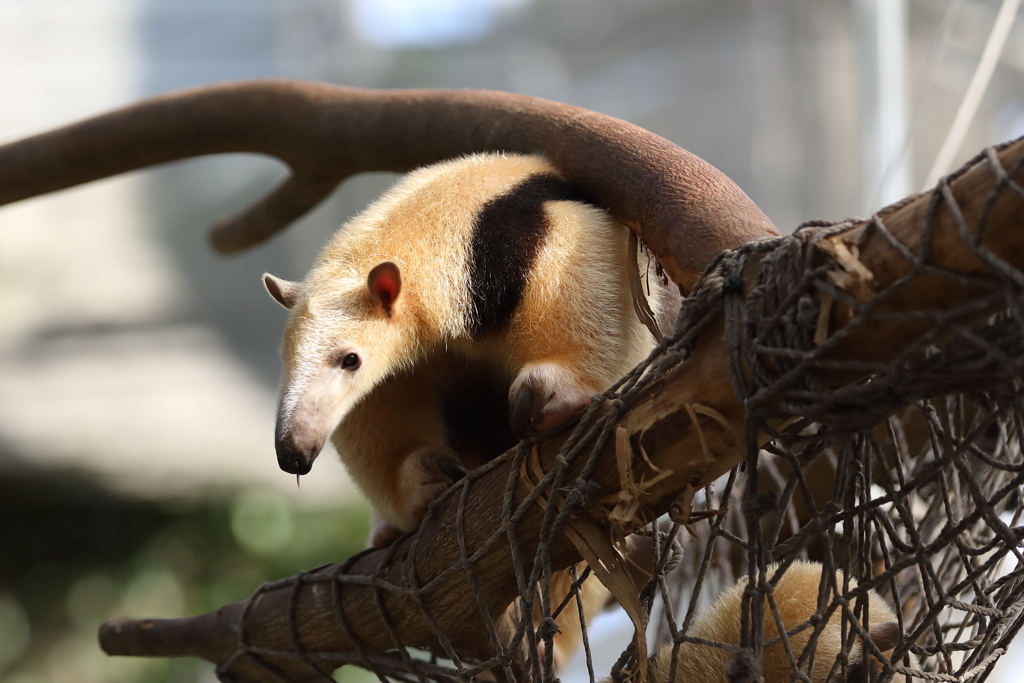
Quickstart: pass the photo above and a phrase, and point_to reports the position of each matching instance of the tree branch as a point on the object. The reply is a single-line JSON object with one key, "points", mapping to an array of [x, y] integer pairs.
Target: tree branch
{"points": [[689, 422]]}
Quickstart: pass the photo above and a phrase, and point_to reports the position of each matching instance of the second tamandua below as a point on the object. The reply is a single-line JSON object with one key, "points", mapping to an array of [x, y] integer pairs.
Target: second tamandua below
{"points": [[796, 595], [489, 266]]}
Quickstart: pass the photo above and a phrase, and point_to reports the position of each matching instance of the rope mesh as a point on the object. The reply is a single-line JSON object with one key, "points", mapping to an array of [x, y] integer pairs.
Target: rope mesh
{"points": [[905, 480]]}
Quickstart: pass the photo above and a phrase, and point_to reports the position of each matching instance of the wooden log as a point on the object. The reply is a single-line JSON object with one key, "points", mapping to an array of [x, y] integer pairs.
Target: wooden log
{"points": [[696, 394], [949, 246]]}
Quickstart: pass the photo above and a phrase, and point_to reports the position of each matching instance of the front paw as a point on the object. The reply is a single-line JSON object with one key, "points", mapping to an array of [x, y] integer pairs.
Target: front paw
{"points": [[429, 472], [544, 396], [425, 474]]}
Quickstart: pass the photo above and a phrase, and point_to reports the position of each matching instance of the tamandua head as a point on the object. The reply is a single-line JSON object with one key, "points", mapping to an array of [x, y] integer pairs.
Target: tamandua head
{"points": [[340, 342]]}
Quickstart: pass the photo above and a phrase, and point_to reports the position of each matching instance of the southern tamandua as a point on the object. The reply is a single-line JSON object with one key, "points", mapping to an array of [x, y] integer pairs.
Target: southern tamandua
{"points": [[486, 266], [796, 595]]}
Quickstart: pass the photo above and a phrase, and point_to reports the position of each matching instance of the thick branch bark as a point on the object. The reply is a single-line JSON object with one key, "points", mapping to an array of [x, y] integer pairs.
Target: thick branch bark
{"points": [[672, 443]]}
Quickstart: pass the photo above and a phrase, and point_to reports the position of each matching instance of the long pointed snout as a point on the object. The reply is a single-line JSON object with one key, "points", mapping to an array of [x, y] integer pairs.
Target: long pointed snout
{"points": [[306, 416], [297, 446]]}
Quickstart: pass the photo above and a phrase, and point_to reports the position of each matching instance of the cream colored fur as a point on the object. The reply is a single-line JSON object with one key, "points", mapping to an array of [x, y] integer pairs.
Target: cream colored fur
{"points": [[573, 334], [796, 595]]}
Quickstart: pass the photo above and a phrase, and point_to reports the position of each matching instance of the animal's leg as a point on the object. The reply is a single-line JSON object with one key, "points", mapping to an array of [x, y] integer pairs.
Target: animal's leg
{"points": [[543, 395], [382, 533], [425, 474], [394, 446]]}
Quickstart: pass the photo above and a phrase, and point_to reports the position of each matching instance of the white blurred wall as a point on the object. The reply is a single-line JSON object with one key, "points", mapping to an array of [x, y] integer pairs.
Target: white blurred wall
{"points": [[104, 368]]}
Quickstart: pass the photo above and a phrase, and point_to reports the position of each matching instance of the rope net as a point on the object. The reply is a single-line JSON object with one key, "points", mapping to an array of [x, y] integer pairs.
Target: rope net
{"points": [[872, 492]]}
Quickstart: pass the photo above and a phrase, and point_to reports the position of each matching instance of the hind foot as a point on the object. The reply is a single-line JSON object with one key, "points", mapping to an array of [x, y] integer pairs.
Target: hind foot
{"points": [[545, 395]]}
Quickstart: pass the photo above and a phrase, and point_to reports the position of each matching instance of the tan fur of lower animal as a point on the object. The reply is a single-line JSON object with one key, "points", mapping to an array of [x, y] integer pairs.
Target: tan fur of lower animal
{"points": [[569, 639], [796, 595], [489, 265]]}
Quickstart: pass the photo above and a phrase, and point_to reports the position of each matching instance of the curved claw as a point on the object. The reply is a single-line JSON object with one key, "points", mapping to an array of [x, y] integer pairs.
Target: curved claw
{"points": [[546, 395], [520, 416], [451, 468]]}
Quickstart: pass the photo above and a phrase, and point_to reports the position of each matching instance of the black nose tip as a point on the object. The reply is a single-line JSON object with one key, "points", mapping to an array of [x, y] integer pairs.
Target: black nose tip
{"points": [[293, 466], [295, 460]]}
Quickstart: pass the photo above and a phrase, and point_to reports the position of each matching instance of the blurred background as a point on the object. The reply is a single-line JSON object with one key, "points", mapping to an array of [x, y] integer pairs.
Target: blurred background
{"points": [[138, 370]]}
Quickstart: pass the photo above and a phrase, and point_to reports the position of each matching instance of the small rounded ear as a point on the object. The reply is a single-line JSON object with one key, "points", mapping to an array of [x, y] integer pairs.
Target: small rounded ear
{"points": [[885, 636], [385, 283], [284, 292]]}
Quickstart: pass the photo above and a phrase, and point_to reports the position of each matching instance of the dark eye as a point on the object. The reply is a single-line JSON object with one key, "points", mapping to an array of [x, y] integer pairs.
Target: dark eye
{"points": [[350, 362]]}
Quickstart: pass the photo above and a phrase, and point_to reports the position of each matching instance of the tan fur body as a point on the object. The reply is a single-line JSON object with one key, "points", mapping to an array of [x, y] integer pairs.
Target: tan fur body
{"points": [[796, 595], [573, 333], [575, 323]]}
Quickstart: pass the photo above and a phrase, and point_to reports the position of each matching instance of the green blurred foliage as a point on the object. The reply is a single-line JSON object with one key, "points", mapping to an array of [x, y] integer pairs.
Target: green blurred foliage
{"points": [[73, 554]]}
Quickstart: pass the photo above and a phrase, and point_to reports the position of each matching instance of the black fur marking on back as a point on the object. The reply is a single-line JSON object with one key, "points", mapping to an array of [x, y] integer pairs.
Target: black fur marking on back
{"points": [[507, 234]]}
